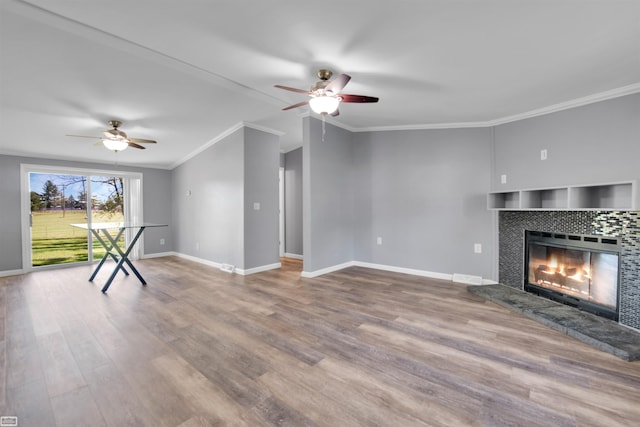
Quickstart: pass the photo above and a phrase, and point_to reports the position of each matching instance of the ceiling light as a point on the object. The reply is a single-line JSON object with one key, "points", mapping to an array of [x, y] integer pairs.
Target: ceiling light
{"points": [[116, 144], [324, 104]]}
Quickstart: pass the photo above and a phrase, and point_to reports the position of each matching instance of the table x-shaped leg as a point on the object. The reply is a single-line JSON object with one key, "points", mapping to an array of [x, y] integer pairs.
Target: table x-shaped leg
{"points": [[108, 253], [124, 257]]}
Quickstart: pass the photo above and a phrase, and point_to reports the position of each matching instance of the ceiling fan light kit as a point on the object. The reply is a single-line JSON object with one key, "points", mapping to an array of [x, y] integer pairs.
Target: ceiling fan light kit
{"points": [[116, 140], [324, 104], [115, 144], [324, 94]]}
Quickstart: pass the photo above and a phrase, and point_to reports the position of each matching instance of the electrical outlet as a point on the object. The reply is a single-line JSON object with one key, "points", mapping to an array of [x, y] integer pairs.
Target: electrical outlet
{"points": [[161, 242], [379, 240], [503, 179], [543, 154], [477, 248], [256, 206]]}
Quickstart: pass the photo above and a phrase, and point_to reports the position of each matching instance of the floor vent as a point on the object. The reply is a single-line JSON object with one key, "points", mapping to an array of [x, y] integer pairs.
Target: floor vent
{"points": [[467, 279]]}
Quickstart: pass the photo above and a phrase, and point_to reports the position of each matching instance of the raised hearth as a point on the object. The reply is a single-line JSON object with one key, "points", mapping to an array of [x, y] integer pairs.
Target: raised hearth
{"points": [[597, 331]]}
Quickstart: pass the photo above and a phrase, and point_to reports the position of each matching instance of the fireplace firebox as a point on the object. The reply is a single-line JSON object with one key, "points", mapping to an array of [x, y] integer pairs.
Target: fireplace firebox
{"points": [[578, 270]]}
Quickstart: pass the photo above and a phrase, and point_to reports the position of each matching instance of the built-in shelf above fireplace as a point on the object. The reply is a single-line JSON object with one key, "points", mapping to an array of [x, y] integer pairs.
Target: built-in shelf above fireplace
{"points": [[610, 196]]}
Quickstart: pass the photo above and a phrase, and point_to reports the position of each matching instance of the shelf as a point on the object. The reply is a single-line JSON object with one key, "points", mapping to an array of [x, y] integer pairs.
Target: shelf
{"points": [[610, 196], [553, 198], [613, 196], [508, 200]]}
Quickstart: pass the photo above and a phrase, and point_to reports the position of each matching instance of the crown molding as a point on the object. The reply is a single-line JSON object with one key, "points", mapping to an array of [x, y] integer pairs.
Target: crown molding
{"points": [[208, 144], [578, 102], [222, 136], [430, 126], [263, 128], [68, 159]]}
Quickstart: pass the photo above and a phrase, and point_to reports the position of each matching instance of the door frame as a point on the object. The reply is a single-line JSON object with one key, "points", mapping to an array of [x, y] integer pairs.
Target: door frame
{"points": [[25, 204], [281, 215]]}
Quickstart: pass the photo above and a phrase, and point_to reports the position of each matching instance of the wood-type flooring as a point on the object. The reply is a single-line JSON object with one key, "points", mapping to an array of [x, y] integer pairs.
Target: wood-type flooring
{"points": [[358, 347]]}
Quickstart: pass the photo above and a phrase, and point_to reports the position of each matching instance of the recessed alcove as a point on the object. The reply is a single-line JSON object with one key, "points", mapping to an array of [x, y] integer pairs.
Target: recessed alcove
{"points": [[618, 195]]}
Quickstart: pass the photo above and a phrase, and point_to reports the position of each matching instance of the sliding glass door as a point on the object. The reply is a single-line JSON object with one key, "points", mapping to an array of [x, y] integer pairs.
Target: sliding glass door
{"points": [[107, 205], [59, 197], [56, 201]]}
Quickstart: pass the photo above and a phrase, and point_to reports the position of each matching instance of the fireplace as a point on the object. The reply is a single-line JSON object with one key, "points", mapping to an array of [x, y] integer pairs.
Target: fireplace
{"points": [[578, 270]]}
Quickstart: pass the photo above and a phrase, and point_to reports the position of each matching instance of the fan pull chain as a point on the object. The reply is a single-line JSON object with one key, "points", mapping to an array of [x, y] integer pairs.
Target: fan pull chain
{"points": [[324, 119]]}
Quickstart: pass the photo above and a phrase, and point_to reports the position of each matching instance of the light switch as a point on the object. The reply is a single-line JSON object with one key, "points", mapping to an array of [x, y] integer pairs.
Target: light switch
{"points": [[256, 206]]}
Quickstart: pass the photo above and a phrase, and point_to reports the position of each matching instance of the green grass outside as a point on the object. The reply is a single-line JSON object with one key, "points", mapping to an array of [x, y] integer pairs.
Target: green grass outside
{"points": [[55, 241]]}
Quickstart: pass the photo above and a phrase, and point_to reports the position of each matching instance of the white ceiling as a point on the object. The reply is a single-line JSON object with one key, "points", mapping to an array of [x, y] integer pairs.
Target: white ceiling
{"points": [[185, 73]]}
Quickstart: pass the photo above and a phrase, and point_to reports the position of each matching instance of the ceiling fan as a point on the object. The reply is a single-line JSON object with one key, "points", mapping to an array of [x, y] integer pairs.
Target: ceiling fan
{"points": [[116, 140], [325, 96]]}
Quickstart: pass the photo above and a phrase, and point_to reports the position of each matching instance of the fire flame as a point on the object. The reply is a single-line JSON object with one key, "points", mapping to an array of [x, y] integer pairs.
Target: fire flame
{"points": [[555, 267]]}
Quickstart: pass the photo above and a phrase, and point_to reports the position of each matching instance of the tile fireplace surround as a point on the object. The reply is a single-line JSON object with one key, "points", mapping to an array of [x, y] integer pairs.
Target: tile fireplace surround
{"points": [[622, 224]]}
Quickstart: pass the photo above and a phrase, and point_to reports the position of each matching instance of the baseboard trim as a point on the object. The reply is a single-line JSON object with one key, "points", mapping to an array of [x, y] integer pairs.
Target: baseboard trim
{"points": [[306, 274], [7, 273], [198, 260], [260, 269], [294, 256], [412, 271], [158, 255], [240, 271], [467, 279], [316, 273], [394, 269]]}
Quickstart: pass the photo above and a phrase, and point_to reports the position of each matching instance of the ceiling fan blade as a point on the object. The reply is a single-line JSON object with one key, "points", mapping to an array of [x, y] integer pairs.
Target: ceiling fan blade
{"points": [[299, 104], [84, 136], [292, 89], [337, 84], [335, 113], [358, 98], [142, 141], [134, 145]]}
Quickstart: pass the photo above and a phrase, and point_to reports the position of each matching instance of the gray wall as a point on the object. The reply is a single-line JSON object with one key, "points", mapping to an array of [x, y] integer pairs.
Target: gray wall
{"points": [[10, 223], [156, 205], [157, 209], [424, 193], [208, 210], [328, 225], [261, 178], [217, 222], [293, 202], [596, 143]]}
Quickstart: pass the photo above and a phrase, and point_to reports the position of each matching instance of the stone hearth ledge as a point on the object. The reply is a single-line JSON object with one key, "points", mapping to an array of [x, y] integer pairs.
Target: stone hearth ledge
{"points": [[601, 333]]}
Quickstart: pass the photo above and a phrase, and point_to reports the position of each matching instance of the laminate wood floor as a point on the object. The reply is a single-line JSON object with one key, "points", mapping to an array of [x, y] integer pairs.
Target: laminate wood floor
{"points": [[359, 347]]}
